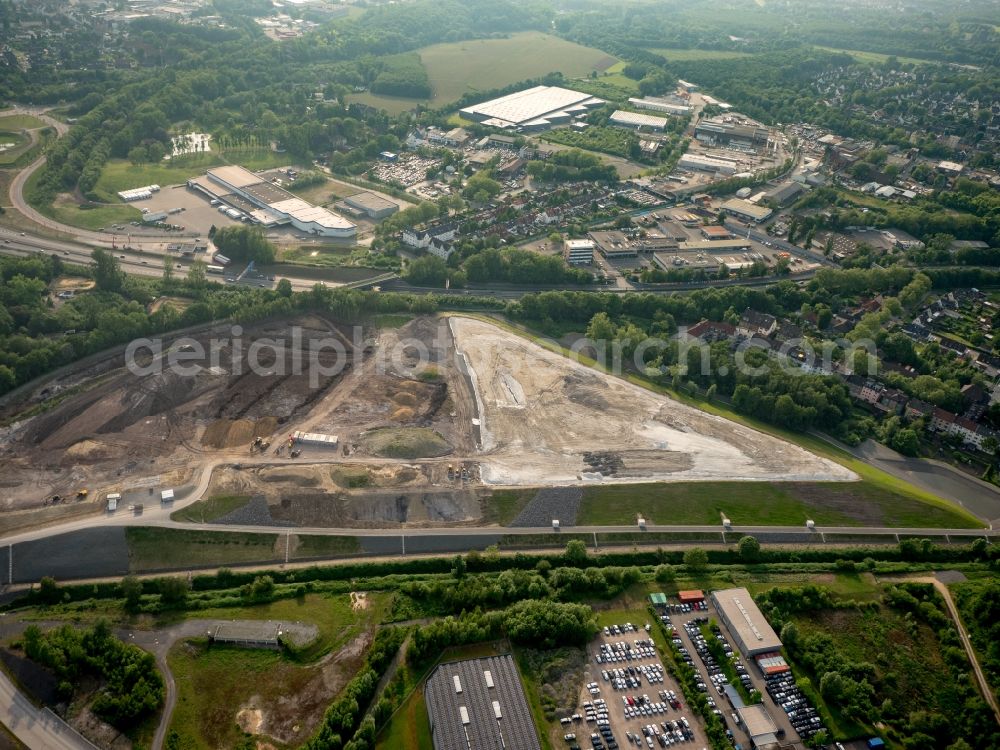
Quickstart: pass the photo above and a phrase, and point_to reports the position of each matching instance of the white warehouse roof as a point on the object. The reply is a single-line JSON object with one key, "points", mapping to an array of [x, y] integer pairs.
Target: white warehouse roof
{"points": [[532, 106], [634, 119]]}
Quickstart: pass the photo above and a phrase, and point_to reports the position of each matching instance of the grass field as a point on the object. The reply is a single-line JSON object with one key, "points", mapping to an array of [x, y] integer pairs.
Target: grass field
{"points": [[616, 77], [156, 549], [13, 153], [457, 68], [91, 218], [214, 683], [672, 53], [20, 122], [120, 174], [876, 57], [760, 503], [210, 508]]}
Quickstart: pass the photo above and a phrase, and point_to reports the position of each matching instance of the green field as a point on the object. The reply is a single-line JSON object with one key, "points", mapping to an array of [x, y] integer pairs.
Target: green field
{"points": [[156, 549], [761, 503], [119, 174], [214, 683], [20, 122], [503, 506], [698, 54], [458, 68], [92, 218], [14, 152], [876, 57], [210, 508]]}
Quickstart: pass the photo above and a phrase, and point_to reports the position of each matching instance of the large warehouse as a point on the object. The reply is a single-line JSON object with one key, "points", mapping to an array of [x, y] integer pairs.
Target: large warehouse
{"points": [[272, 205], [746, 622], [532, 109], [479, 703], [746, 210], [637, 120]]}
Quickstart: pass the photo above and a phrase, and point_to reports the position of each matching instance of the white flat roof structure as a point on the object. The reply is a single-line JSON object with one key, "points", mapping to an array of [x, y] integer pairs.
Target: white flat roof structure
{"points": [[236, 176], [747, 209], [306, 213], [753, 634], [634, 119], [659, 105], [315, 438], [580, 244], [537, 107]]}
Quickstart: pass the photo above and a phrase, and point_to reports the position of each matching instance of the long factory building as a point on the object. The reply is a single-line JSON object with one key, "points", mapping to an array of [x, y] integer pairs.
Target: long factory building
{"points": [[271, 205]]}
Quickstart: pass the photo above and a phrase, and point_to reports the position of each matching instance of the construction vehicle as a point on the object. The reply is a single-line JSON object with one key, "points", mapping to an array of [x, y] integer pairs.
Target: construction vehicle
{"points": [[81, 494], [295, 453]]}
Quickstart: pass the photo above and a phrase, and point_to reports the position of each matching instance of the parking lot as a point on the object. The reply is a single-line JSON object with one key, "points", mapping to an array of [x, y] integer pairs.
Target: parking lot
{"points": [[784, 703], [629, 699]]}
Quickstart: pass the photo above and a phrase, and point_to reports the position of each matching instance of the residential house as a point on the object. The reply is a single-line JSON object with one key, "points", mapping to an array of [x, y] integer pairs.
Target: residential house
{"points": [[915, 409], [753, 323]]}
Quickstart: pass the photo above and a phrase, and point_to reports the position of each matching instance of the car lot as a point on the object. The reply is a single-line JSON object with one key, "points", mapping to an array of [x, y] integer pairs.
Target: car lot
{"points": [[629, 699], [784, 703]]}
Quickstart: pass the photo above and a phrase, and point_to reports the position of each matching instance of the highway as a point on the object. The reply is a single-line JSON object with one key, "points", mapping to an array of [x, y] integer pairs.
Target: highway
{"points": [[35, 727]]}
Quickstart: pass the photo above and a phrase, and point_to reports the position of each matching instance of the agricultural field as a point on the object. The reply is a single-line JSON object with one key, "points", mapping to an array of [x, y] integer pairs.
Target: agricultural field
{"points": [[457, 68], [120, 174]]}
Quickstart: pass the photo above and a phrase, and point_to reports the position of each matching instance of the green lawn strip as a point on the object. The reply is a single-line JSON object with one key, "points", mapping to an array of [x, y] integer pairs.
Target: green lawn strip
{"points": [[20, 122], [677, 54], [532, 692], [94, 219], [153, 549], [409, 728], [210, 509], [311, 545], [503, 506], [876, 478]]}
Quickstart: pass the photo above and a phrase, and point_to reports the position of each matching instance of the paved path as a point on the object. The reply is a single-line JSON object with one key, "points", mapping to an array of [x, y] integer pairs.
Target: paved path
{"points": [[984, 685], [35, 727], [973, 494]]}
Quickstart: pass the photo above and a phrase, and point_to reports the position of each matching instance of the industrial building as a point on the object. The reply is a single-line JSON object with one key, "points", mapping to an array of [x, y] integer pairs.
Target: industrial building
{"points": [[745, 210], [715, 232], [659, 105], [708, 164], [725, 131], [314, 438], [270, 205], [746, 622], [479, 703], [532, 109], [367, 204], [579, 252], [635, 120], [616, 244], [715, 246]]}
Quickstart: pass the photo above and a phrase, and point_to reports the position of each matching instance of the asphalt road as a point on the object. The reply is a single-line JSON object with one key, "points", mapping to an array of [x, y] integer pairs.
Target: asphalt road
{"points": [[36, 728]]}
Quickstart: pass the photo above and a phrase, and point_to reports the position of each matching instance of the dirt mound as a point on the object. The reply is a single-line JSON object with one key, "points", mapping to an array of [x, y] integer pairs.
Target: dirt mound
{"points": [[405, 442], [151, 395], [87, 450], [402, 415], [232, 433], [404, 398]]}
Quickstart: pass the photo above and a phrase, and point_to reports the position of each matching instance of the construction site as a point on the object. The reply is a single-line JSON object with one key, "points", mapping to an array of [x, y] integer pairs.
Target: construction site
{"points": [[417, 425]]}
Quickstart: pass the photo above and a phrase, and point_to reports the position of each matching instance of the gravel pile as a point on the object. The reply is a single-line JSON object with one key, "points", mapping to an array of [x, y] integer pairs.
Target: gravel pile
{"points": [[254, 513], [552, 502]]}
